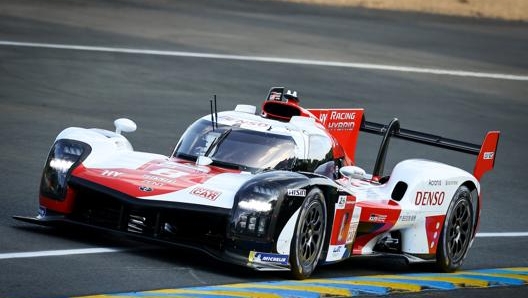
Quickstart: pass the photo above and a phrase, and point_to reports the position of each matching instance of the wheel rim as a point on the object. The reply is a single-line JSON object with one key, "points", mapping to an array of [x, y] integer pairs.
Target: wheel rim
{"points": [[459, 229], [311, 234]]}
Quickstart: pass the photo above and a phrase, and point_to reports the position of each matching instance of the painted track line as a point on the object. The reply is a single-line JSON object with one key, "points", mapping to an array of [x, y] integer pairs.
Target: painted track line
{"points": [[369, 66], [503, 234], [97, 250], [62, 252], [348, 286]]}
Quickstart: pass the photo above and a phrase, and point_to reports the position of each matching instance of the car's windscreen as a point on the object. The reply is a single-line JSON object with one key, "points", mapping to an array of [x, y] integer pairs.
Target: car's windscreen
{"points": [[236, 147]]}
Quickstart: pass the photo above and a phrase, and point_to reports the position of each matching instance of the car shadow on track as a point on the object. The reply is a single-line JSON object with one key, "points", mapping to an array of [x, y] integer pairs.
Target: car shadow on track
{"points": [[201, 262], [169, 254]]}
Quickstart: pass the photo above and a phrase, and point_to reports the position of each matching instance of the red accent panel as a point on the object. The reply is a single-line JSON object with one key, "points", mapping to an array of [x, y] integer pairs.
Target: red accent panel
{"points": [[488, 152], [342, 124], [157, 177], [433, 228], [65, 206], [376, 218], [342, 219]]}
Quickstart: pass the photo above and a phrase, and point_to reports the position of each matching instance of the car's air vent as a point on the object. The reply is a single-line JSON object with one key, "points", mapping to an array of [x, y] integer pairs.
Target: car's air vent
{"points": [[137, 223], [399, 191]]}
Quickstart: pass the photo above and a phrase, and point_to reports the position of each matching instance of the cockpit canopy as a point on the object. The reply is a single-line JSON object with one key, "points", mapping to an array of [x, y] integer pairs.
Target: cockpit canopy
{"points": [[239, 148]]}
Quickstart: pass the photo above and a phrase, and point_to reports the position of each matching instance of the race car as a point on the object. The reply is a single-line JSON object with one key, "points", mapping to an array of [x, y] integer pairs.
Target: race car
{"points": [[273, 190]]}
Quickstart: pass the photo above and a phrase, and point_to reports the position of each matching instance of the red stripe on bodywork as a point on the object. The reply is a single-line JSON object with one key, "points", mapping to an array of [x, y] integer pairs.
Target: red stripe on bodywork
{"points": [[157, 177]]}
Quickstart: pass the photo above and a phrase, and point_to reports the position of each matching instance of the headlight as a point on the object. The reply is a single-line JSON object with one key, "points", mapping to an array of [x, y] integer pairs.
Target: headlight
{"points": [[253, 211], [63, 157]]}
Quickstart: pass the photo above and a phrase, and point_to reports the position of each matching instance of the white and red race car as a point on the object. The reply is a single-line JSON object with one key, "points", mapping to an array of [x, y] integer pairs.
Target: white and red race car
{"points": [[276, 190]]}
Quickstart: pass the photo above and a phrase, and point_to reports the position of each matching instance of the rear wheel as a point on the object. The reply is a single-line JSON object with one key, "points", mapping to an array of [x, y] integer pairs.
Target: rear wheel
{"points": [[309, 236], [457, 232]]}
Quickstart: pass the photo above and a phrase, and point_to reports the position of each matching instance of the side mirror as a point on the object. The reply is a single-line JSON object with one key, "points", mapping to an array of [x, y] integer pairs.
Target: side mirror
{"points": [[353, 172], [124, 125]]}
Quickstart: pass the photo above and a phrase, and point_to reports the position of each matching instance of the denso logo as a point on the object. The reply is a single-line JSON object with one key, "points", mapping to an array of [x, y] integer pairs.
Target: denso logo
{"points": [[429, 198], [206, 193]]}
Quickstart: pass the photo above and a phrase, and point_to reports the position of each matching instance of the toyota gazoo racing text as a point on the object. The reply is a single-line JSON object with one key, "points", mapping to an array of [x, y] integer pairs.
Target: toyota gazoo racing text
{"points": [[272, 190]]}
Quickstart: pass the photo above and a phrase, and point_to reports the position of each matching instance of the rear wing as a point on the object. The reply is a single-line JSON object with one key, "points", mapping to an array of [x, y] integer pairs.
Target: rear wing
{"points": [[486, 152]]}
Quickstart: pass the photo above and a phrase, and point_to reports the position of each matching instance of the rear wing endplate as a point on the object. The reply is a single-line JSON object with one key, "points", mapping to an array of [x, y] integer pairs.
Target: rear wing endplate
{"points": [[486, 152]]}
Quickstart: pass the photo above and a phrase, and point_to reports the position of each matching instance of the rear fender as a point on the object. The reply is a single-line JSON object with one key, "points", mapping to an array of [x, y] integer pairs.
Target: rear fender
{"points": [[430, 189]]}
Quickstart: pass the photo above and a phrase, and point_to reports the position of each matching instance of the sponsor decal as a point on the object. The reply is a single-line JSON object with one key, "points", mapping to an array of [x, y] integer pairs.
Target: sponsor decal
{"points": [[245, 123], [342, 115], [159, 179], [336, 115], [341, 202], [341, 126], [338, 120], [145, 188], [429, 198], [110, 173], [206, 193], [171, 165], [153, 183], [42, 211], [489, 155], [262, 257], [341, 224], [451, 182], [335, 253], [354, 222], [377, 218], [168, 173], [407, 218], [297, 192], [345, 226], [435, 182], [274, 95]]}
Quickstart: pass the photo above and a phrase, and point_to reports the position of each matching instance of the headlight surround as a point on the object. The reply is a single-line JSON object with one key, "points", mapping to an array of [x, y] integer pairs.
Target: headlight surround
{"points": [[253, 210], [63, 157]]}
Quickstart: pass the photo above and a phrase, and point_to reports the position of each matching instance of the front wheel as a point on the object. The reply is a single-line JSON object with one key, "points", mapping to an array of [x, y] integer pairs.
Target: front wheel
{"points": [[308, 240], [457, 232]]}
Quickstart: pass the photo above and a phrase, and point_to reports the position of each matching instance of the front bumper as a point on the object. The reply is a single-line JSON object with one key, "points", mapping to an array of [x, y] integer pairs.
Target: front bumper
{"points": [[200, 228]]}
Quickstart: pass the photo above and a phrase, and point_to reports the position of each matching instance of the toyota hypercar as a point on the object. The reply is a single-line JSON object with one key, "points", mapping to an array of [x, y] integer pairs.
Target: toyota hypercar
{"points": [[275, 189]]}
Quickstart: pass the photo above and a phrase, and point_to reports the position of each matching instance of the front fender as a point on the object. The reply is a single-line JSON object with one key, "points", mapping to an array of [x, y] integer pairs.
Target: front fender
{"points": [[108, 149]]}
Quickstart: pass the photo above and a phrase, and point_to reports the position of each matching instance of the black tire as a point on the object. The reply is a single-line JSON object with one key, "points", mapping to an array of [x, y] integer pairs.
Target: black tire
{"points": [[457, 232], [308, 239]]}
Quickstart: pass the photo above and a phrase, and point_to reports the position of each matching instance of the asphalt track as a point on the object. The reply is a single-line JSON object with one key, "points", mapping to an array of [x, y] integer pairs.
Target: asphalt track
{"points": [[43, 90]]}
